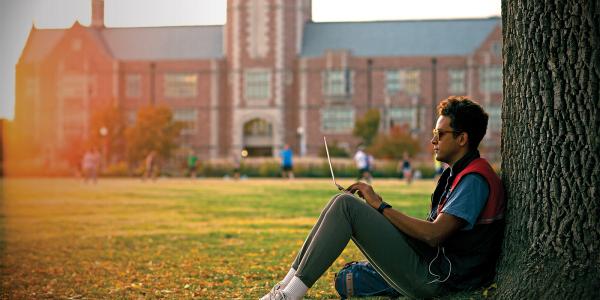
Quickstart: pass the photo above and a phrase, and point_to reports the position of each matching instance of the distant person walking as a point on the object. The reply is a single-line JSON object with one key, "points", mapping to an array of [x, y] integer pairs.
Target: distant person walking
{"points": [[150, 170], [362, 164], [89, 164], [192, 164], [406, 169], [287, 165]]}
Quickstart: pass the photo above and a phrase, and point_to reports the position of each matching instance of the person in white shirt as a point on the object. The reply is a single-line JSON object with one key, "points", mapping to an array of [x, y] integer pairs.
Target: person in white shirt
{"points": [[362, 164]]}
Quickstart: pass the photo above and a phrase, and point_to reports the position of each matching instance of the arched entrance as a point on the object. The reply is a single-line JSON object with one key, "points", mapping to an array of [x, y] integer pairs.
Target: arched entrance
{"points": [[258, 137]]}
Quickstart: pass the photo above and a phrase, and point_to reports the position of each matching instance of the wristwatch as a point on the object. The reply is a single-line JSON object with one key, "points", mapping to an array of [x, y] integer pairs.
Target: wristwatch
{"points": [[383, 206]]}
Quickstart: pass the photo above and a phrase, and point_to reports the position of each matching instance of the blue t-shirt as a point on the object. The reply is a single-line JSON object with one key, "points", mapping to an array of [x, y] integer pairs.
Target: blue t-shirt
{"points": [[286, 157], [468, 199]]}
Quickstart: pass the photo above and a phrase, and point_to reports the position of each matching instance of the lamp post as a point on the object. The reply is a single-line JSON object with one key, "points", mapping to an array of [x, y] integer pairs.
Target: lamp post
{"points": [[104, 134], [301, 137]]}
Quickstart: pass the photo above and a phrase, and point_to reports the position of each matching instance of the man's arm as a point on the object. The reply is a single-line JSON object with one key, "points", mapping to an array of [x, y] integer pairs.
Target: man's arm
{"points": [[432, 233]]}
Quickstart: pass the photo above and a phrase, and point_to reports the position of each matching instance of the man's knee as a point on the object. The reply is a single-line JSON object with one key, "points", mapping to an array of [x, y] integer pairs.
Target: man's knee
{"points": [[335, 198], [345, 200]]}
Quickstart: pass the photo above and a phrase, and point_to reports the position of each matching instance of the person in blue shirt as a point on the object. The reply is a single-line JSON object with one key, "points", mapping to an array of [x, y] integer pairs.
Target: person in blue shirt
{"points": [[455, 248], [287, 165]]}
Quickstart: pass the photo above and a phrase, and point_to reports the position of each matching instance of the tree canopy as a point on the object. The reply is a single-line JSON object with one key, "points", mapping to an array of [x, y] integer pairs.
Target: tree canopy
{"points": [[366, 128], [394, 144], [154, 130]]}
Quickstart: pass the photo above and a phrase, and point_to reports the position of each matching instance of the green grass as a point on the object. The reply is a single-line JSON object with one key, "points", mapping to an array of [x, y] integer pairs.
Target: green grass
{"points": [[173, 238]]}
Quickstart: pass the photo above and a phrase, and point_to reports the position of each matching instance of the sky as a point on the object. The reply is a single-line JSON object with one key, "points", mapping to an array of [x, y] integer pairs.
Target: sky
{"points": [[17, 17]]}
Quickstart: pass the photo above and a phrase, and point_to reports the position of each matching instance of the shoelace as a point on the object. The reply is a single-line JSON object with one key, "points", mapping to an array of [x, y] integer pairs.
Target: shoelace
{"points": [[274, 296], [276, 287]]}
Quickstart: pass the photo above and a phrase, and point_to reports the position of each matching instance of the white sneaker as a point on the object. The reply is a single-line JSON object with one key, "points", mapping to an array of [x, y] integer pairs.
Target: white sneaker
{"points": [[276, 293]]}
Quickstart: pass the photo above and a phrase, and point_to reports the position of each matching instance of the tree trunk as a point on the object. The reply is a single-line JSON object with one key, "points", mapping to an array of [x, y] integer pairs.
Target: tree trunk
{"points": [[550, 150]]}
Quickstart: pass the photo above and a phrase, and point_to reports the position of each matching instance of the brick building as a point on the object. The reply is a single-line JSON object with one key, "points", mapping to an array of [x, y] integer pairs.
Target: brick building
{"points": [[269, 76]]}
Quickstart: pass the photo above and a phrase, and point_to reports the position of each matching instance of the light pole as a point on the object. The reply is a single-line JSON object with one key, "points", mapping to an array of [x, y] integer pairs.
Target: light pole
{"points": [[104, 134], [300, 132]]}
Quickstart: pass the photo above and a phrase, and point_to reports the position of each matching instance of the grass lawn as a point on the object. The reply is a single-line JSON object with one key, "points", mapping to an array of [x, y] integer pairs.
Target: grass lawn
{"points": [[173, 238]]}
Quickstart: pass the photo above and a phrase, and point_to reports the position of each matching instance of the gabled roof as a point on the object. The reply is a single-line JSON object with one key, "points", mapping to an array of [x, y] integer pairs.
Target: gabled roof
{"points": [[139, 43], [398, 38], [39, 44], [165, 43]]}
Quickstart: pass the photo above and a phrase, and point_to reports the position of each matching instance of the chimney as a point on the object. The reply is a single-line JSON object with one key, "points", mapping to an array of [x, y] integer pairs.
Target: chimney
{"points": [[97, 13]]}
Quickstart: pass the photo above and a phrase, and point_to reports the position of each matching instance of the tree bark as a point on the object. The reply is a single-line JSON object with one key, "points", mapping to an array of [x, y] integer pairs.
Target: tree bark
{"points": [[550, 150]]}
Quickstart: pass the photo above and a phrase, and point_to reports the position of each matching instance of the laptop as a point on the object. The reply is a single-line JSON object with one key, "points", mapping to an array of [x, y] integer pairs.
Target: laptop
{"points": [[339, 187]]}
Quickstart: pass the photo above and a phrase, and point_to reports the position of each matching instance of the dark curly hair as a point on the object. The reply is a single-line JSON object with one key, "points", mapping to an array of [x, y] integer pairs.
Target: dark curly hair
{"points": [[465, 116]]}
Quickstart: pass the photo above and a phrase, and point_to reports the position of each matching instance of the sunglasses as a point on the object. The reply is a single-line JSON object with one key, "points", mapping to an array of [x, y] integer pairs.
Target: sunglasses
{"points": [[439, 133]]}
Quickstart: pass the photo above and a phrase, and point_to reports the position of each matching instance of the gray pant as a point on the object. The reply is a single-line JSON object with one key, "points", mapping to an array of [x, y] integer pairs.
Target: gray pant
{"points": [[346, 217]]}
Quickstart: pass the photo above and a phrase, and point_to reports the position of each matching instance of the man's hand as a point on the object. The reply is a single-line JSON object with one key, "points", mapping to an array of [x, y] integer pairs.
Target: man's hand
{"points": [[366, 192]]}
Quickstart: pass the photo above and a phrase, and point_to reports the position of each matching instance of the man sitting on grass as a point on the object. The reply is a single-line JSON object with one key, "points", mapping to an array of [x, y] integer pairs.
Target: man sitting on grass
{"points": [[454, 249]]}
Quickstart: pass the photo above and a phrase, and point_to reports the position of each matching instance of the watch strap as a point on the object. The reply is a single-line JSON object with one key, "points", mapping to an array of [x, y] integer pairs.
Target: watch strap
{"points": [[383, 206]]}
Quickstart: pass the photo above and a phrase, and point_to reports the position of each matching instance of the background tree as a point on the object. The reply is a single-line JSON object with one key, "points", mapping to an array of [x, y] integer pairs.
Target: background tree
{"points": [[335, 150], [551, 150], [394, 144], [366, 128], [154, 129]]}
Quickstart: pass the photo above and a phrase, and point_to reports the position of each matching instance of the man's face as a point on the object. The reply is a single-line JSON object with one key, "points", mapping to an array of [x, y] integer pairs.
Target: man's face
{"points": [[445, 145]]}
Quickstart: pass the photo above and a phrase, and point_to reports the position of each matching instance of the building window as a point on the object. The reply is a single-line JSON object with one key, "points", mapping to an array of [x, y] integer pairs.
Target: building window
{"points": [[339, 120], [337, 83], [490, 79], [181, 85], [72, 86], [133, 85], [456, 81], [400, 116], [495, 118], [408, 81], [258, 127], [257, 84], [188, 117], [393, 82], [412, 82]]}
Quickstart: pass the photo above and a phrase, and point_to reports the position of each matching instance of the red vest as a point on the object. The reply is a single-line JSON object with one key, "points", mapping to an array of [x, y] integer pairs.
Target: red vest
{"points": [[494, 207]]}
